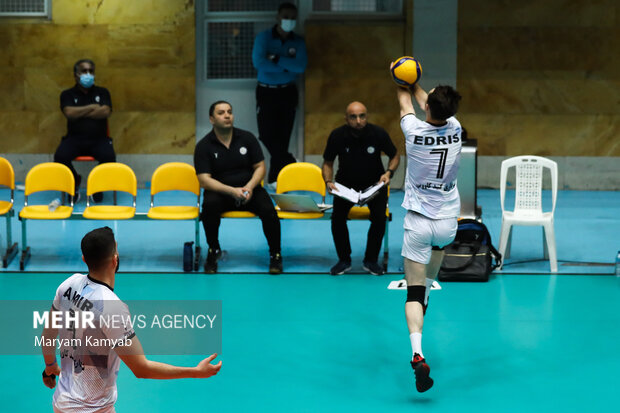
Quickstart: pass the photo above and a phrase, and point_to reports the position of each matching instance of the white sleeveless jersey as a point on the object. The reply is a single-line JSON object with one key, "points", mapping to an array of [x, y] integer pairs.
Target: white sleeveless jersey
{"points": [[89, 369], [433, 154]]}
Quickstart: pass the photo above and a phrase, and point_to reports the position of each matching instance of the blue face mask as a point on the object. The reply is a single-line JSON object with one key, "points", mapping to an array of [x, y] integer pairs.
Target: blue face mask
{"points": [[87, 80], [288, 25]]}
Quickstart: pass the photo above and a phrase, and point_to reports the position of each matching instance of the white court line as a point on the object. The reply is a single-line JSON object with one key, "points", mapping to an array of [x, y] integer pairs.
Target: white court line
{"points": [[402, 285]]}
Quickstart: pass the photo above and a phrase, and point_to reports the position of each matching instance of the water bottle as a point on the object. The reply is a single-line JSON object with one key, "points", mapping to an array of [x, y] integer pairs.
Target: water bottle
{"points": [[188, 257], [54, 205]]}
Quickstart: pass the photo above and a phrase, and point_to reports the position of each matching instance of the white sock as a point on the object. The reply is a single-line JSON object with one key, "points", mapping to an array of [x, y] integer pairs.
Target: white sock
{"points": [[429, 282], [416, 344]]}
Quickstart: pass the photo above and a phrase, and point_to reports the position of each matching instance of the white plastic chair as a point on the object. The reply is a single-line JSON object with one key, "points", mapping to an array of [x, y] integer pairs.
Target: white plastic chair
{"points": [[528, 203]]}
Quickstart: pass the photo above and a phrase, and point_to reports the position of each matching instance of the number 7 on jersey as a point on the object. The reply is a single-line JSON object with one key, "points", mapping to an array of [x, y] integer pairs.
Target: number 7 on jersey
{"points": [[443, 156]]}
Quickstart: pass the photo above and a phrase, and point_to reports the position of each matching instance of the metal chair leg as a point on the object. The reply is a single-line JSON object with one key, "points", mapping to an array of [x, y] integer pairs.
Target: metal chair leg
{"points": [[24, 259], [197, 252], [197, 249], [25, 248], [10, 253], [11, 248]]}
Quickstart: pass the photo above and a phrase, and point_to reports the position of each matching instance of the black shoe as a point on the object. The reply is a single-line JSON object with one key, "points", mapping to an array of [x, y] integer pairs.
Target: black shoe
{"points": [[211, 263], [340, 268], [423, 382], [373, 267], [275, 263], [97, 197]]}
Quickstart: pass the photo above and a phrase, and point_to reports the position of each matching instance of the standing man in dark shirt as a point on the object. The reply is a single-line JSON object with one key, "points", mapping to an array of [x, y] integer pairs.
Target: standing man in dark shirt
{"points": [[87, 108], [358, 146], [230, 166], [279, 56]]}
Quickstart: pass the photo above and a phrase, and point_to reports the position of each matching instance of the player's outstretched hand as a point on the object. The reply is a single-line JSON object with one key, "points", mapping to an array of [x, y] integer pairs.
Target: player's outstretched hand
{"points": [[206, 369], [49, 375]]}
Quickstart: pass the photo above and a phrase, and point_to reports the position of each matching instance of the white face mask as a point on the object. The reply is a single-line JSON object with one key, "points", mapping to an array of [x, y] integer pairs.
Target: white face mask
{"points": [[288, 25]]}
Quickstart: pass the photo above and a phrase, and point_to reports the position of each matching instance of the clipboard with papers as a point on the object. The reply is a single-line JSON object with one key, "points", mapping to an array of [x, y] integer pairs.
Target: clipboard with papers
{"points": [[357, 197], [298, 203]]}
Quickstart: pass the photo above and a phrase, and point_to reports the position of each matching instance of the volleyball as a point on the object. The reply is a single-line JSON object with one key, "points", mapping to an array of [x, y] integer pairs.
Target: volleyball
{"points": [[406, 71]]}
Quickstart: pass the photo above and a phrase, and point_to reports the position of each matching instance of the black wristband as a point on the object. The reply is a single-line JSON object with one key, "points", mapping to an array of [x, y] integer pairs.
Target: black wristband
{"points": [[391, 173]]}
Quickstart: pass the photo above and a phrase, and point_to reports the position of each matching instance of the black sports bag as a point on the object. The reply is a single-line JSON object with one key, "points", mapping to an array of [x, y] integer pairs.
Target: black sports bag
{"points": [[470, 256]]}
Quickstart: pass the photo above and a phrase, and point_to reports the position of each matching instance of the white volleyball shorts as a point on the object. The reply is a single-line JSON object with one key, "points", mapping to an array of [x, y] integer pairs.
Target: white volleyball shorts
{"points": [[423, 233]]}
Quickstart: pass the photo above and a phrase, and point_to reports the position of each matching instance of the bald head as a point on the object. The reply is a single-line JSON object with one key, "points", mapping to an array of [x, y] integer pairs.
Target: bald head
{"points": [[356, 115]]}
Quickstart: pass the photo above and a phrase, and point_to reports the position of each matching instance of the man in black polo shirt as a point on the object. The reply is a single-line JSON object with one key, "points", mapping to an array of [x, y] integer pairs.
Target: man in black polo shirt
{"points": [[230, 166], [358, 146], [87, 108]]}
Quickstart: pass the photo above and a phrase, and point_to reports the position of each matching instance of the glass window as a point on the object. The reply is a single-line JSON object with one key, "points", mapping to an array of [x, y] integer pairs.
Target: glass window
{"points": [[358, 6], [25, 8], [244, 5], [229, 53]]}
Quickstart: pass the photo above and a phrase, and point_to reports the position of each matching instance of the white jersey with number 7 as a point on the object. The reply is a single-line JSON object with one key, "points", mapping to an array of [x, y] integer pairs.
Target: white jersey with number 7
{"points": [[433, 154]]}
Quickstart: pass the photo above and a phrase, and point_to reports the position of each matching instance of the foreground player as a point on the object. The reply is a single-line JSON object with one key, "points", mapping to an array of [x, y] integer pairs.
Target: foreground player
{"points": [[87, 380], [432, 202]]}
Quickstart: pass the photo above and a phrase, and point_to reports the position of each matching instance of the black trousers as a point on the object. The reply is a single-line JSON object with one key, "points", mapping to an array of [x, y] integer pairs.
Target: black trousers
{"points": [[215, 203], [340, 231], [275, 114], [70, 148]]}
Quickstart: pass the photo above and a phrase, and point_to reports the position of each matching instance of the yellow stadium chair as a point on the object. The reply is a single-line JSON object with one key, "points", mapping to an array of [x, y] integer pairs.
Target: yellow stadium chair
{"points": [[177, 176], [363, 213], [174, 176], [238, 214], [48, 176], [300, 176], [7, 179], [112, 176]]}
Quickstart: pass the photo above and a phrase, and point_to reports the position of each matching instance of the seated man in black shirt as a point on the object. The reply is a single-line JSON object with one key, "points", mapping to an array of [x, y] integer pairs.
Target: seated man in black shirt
{"points": [[87, 108], [358, 146], [230, 166]]}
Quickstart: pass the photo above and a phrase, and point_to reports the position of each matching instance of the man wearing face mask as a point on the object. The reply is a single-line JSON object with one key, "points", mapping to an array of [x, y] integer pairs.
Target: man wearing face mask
{"points": [[279, 56], [87, 108], [358, 146]]}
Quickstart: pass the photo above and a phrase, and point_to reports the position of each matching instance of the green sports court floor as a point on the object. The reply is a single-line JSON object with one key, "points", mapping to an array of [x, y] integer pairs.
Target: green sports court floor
{"points": [[314, 343], [526, 341]]}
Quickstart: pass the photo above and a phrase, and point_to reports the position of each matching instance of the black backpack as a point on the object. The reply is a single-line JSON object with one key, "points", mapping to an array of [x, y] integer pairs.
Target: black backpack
{"points": [[470, 256]]}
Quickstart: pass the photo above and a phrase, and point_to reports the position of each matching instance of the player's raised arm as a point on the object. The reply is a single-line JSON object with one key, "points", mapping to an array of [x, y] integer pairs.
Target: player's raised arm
{"points": [[419, 95], [404, 100]]}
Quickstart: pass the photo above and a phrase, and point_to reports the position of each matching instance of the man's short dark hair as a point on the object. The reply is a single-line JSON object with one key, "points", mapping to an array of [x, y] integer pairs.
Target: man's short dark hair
{"points": [[443, 102], [286, 6], [214, 104], [98, 246], [77, 64]]}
